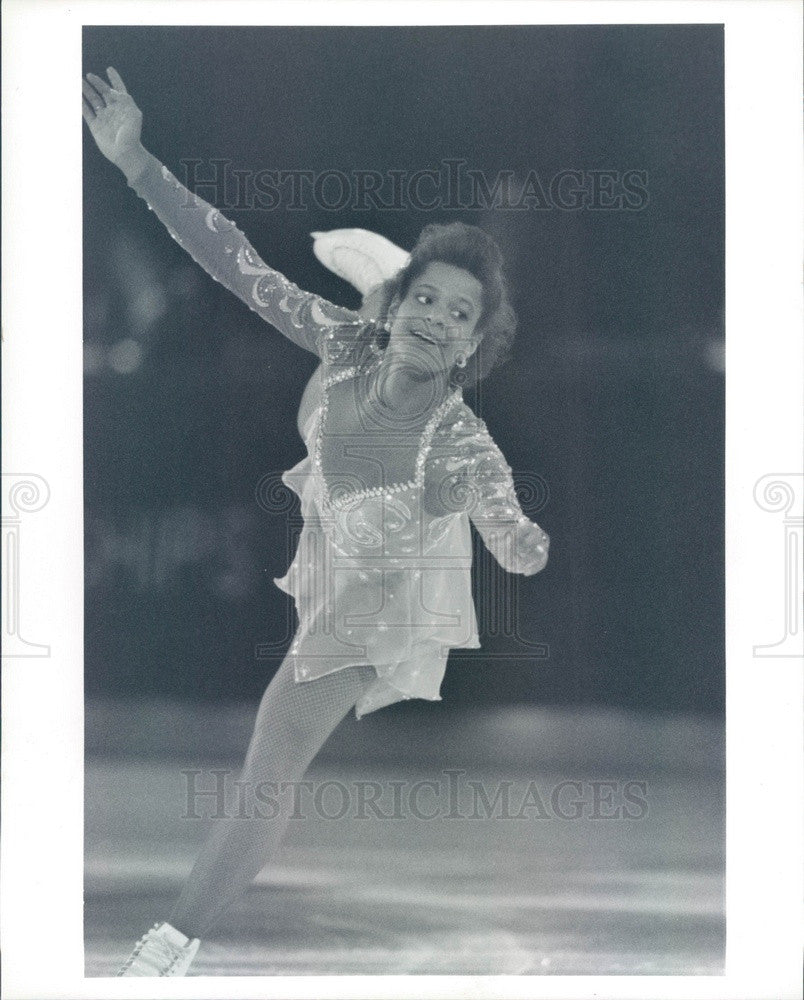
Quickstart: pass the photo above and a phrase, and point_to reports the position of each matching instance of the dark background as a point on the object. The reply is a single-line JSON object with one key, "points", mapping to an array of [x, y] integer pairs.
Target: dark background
{"points": [[614, 396]]}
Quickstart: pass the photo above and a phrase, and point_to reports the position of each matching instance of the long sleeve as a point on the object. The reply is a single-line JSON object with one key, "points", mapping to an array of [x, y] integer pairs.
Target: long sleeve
{"points": [[216, 243], [469, 473]]}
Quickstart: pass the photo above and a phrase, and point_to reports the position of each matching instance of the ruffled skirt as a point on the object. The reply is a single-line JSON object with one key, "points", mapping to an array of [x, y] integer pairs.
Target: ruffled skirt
{"points": [[400, 614]]}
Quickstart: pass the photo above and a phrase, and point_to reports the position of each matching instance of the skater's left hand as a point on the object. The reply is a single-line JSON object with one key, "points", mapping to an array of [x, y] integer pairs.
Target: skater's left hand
{"points": [[540, 555]]}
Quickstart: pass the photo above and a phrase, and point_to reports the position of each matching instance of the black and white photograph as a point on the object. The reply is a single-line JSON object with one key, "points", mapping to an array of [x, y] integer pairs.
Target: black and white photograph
{"points": [[402, 441]]}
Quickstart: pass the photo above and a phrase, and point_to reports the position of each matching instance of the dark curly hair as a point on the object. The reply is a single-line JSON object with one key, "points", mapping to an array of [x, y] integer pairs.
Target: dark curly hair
{"points": [[473, 250]]}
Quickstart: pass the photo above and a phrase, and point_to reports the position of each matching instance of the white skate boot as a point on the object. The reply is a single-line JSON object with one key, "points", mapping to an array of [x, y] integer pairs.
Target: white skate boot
{"points": [[163, 951], [362, 258]]}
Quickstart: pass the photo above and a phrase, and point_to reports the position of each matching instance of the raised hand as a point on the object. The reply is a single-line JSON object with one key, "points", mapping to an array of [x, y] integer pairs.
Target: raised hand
{"points": [[114, 120]]}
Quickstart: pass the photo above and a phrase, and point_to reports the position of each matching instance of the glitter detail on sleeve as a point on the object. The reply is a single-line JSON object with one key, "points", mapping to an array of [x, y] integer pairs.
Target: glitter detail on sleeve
{"points": [[469, 473], [215, 242]]}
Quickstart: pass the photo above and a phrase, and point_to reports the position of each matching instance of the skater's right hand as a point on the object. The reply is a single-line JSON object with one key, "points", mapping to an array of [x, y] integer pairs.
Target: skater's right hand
{"points": [[114, 120]]}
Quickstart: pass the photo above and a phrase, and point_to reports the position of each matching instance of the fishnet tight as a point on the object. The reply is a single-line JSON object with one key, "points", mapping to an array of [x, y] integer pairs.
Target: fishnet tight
{"points": [[293, 722]]}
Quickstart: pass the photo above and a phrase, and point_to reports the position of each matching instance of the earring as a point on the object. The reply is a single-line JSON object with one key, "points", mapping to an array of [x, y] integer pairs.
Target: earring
{"points": [[460, 360]]}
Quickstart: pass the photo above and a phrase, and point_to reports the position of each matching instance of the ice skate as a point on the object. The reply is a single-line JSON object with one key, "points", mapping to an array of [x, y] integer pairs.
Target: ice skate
{"points": [[163, 951]]}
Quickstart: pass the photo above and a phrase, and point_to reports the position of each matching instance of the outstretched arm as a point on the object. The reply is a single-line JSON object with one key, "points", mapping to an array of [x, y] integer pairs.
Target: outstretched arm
{"points": [[470, 474], [212, 240]]}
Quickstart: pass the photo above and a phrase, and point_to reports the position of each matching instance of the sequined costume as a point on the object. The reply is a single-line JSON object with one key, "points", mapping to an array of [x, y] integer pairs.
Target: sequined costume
{"points": [[381, 573]]}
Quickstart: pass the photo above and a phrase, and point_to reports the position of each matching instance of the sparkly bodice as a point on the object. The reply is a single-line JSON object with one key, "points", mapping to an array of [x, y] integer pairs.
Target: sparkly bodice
{"points": [[386, 522]]}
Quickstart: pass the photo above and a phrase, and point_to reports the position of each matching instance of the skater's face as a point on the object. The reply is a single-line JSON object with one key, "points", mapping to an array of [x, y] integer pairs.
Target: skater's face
{"points": [[437, 319]]}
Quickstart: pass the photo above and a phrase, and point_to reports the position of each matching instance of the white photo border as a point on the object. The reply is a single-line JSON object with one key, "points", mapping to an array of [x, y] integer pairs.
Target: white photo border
{"points": [[41, 915]]}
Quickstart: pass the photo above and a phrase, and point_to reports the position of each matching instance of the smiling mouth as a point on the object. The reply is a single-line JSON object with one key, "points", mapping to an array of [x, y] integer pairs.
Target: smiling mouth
{"points": [[423, 336]]}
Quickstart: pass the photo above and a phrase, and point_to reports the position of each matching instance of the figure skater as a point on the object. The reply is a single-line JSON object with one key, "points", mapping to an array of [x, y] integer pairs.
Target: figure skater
{"points": [[397, 464]]}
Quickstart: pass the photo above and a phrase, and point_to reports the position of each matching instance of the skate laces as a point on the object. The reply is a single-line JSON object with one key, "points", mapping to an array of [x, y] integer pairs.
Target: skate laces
{"points": [[157, 951]]}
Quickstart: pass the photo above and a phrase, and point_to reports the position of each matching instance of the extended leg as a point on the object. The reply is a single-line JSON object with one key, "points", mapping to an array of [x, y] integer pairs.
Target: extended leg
{"points": [[293, 722]]}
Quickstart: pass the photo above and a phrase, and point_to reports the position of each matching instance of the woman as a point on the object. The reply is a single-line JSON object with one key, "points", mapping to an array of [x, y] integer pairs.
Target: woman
{"points": [[397, 464]]}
